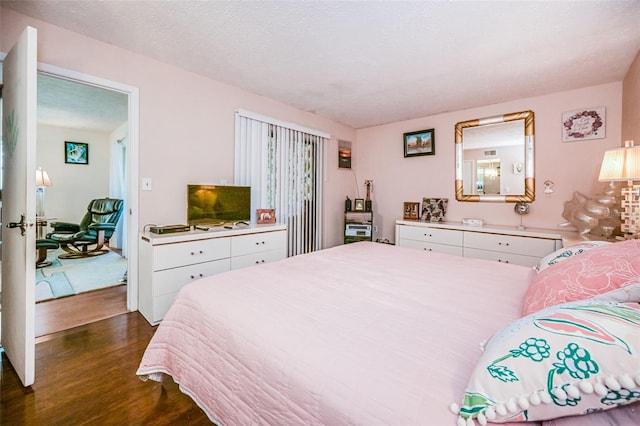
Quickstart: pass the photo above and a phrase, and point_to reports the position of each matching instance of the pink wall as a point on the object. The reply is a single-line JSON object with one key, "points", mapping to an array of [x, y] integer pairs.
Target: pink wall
{"points": [[186, 120], [572, 166], [631, 103], [187, 136]]}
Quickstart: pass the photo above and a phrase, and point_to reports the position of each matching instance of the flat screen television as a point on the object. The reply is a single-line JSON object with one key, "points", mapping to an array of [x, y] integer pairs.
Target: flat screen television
{"points": [[218, 204]]}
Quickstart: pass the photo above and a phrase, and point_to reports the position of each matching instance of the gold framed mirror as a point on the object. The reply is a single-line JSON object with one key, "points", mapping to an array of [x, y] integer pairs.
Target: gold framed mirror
{"points": [[495, 158]]}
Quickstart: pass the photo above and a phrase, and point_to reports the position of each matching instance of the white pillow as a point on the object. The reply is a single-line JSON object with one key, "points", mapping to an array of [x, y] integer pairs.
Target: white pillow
{"points": [[565, 253], [565, 360]]}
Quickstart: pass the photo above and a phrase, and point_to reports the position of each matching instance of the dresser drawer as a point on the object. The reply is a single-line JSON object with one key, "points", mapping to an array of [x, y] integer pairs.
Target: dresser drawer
{"points": [[264, 241], [536, 247], [502, 257], [172, 280], [431, 235], [188, 253], [426, 246], [238, 262]]}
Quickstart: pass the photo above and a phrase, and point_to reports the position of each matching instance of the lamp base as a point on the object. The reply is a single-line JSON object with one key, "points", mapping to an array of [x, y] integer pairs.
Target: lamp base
{"points": [[630, 214]]}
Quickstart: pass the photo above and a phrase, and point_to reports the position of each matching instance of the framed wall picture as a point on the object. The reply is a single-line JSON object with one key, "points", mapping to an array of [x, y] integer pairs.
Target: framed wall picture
{"points": [[422, 142], [76, 152], [344, 154], [583, 124], [358, 205], [266, 215]]}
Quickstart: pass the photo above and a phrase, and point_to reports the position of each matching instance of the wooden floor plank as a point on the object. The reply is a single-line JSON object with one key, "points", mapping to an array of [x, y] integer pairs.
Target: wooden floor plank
{"points": [[86, 375], [84, 308]]}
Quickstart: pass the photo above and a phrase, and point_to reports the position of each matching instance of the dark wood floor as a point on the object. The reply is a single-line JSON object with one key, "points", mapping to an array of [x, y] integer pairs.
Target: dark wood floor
{"points": [[86, 375]]}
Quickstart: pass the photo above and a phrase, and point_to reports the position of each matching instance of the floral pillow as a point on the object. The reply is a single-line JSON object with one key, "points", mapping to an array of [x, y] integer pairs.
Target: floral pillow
{"points": [[570, 359], [593, 272], [565, 253]]}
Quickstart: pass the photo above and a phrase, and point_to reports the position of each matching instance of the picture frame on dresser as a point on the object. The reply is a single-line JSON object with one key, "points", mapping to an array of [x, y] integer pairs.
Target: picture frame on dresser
{"points": [[358, 205], [266, 216], [411, 211]]}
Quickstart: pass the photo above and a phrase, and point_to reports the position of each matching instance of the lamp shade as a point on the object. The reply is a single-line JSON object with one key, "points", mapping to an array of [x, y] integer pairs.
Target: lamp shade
{"points": [[42, 178], [621, 164]]}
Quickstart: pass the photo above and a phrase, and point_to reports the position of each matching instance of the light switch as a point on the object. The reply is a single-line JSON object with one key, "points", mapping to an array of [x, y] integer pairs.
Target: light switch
{"points": [[146, 184]]}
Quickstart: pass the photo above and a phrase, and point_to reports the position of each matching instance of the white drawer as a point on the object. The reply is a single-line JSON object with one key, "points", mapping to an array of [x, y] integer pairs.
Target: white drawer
{"points": [[187, 253], [438, 248], [536, 247], [171, 280], [257, 258], [433, 235], [254, 243], [161, 305], [516, 259]]}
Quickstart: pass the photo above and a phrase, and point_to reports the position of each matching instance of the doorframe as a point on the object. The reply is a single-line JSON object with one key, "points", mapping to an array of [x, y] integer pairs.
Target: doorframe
{"points": [[132, 164]]}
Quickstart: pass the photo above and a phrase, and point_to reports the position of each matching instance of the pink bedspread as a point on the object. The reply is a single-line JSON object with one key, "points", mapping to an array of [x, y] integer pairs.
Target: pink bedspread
{"points": [[363, 334]]}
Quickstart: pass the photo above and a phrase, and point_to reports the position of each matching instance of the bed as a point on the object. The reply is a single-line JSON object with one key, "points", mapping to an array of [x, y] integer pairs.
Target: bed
{"points": [[360, 334]]}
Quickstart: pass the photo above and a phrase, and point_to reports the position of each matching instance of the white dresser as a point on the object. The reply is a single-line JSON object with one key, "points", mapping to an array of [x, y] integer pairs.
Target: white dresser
{"points": [[500, 243], [169, 261]]}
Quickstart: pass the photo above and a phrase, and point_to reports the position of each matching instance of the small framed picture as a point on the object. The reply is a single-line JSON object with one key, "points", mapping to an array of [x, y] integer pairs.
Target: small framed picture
{"points": [[266, 215], [358, 205], [344, 154], [76, 153], [583, 124], [422, 142], [411, 211]]}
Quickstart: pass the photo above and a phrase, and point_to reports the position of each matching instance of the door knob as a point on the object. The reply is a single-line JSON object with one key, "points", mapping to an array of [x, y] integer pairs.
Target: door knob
{"points": [[22, 225]]}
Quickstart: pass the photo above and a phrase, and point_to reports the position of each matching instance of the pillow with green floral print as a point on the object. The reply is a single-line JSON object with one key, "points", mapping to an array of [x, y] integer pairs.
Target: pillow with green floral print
{"points": [[565, 360], [565, 253]]}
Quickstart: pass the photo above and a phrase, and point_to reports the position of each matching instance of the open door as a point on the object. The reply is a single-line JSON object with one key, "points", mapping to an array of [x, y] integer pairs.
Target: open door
{"points": [[19, 97]]}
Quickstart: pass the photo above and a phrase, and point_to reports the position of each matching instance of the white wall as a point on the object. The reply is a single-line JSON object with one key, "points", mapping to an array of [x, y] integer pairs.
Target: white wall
{"points": [[74, 185]]}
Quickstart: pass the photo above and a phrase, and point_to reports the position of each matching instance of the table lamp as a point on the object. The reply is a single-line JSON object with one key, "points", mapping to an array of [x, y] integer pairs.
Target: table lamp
{"points": [[623, 164], [42, 181]]}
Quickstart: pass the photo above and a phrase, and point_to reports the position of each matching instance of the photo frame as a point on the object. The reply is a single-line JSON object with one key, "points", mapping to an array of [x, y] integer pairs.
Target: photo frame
{"points": [[76, 152], [344, 154], [358, 205], [584, 124], [434, 209], [411, 211], [266, 216], [422, 142]]}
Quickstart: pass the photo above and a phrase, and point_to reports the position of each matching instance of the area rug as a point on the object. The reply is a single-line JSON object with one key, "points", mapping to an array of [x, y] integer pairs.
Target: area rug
{"points": [[90, 273], [52, 286], [65, 277]]}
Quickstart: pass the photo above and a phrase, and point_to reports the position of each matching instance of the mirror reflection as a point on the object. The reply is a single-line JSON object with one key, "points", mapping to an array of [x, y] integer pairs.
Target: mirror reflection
{"points": [[494, 158]]}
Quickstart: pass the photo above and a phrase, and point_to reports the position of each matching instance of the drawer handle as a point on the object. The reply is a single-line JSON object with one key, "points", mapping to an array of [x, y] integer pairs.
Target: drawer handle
{"points": [[503, 261], [193, 253], [199, 276], [259, 261], [259, 242], [506, 244], [427, 249], [428, 235]]}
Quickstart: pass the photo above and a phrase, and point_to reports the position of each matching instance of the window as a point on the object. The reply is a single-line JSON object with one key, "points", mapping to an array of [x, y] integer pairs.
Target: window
{"points": [[284, 165]]}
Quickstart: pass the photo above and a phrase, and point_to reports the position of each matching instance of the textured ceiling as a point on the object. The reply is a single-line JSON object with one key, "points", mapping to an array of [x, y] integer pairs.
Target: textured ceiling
{"points": [[365, 63], [71, 104]]}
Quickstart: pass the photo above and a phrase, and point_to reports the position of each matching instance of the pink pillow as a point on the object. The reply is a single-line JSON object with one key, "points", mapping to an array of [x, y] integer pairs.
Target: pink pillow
{"points": [[594, 272]]}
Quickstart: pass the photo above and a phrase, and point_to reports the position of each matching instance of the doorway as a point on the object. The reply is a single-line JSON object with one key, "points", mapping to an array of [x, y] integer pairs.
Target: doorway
{"points": [[124, 138]]}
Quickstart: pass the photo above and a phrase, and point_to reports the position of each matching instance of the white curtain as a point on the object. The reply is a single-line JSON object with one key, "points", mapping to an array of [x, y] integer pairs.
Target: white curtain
{"points": [[118, 189], [283, 163]]}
